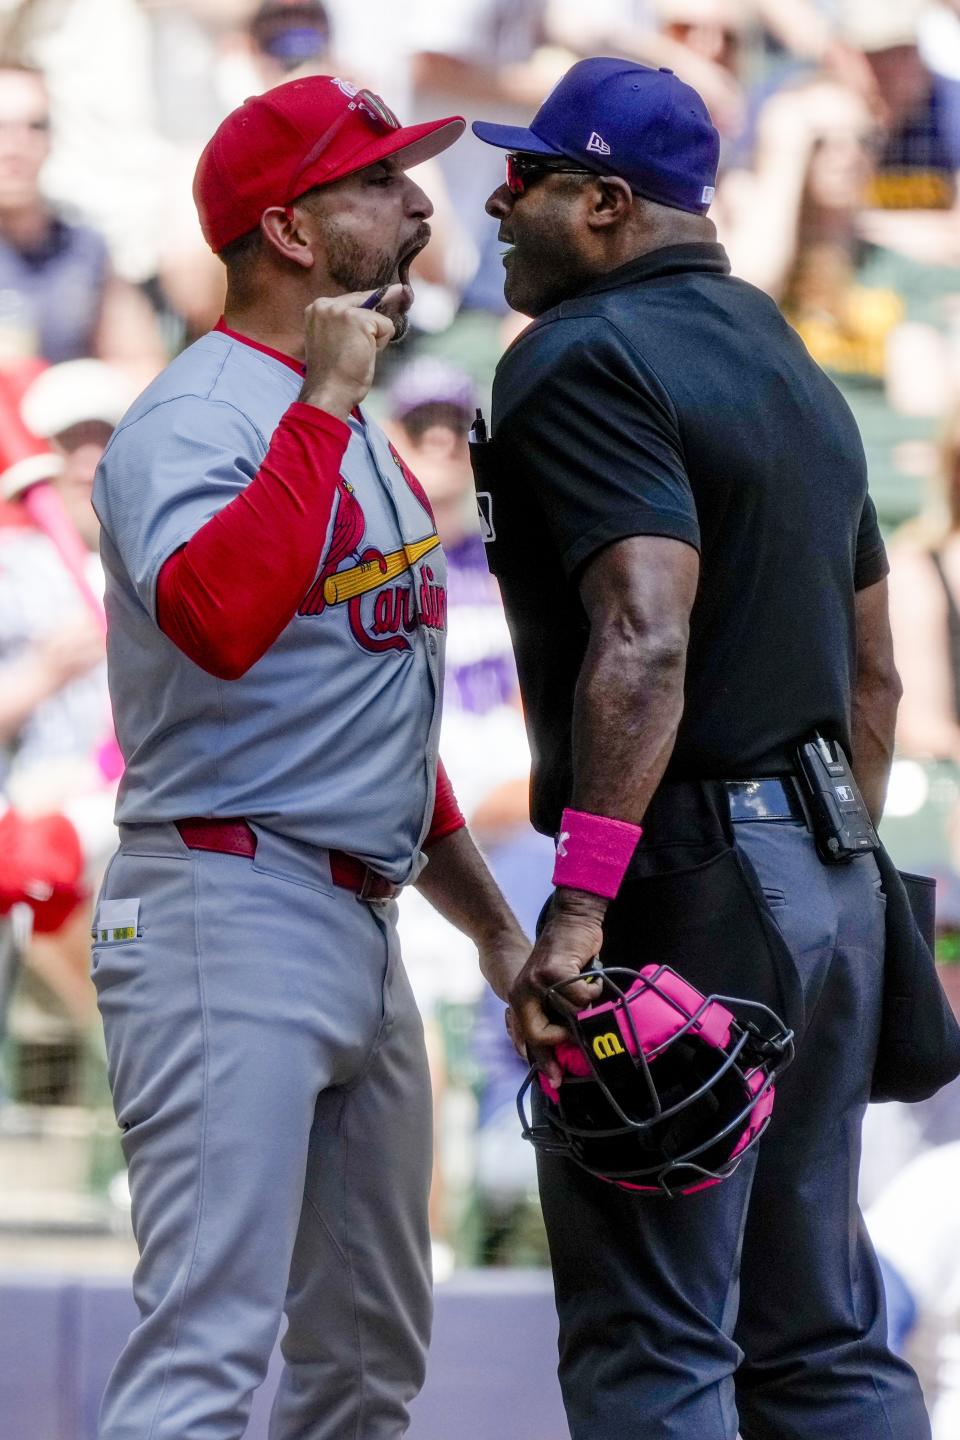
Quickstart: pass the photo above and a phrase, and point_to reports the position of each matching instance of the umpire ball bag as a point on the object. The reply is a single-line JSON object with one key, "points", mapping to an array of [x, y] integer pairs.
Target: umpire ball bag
{"points": [[665, 1090]]}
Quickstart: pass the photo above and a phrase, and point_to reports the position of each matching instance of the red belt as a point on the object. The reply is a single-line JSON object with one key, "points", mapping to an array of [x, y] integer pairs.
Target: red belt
{"points": [[235, 837]]}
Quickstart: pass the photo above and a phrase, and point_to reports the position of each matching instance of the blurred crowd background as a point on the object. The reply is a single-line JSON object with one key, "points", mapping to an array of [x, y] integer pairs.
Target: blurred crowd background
{"points": [[838, 194]]}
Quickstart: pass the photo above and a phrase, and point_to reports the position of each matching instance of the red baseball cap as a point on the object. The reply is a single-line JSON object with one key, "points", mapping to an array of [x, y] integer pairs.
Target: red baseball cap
{"points": [[303, 133]]}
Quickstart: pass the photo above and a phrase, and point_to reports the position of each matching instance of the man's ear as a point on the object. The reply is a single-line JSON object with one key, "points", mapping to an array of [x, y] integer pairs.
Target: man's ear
{"points": [[284, 230], [612, 201]]}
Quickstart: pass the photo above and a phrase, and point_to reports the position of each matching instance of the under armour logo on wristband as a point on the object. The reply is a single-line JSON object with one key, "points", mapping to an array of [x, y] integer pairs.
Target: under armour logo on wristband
{"points": [[601, 855]]}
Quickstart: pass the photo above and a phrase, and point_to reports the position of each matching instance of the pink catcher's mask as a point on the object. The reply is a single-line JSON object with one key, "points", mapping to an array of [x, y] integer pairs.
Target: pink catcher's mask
{"points": [[664, 1089]]}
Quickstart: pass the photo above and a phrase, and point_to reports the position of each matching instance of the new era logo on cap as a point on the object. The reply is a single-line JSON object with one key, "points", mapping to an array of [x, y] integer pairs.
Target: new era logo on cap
{"points": [[597, 145]]}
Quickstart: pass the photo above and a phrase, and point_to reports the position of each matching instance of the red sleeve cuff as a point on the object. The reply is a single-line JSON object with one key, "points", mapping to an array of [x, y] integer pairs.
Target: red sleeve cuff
{"points": [[447, 815], [320, 420]]}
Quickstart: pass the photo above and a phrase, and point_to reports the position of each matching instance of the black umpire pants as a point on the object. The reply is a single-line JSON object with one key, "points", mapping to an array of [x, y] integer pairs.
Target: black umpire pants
{"points": [[757, 1303]]}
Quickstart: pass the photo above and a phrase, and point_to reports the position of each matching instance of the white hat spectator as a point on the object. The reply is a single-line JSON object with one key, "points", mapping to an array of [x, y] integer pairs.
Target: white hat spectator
{"points": [[733, 14], [874, 25], [73, 393]]}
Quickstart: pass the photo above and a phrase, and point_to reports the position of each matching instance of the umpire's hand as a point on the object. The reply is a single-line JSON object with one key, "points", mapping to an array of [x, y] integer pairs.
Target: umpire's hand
{"points": [[569, 941], [342, 344]]}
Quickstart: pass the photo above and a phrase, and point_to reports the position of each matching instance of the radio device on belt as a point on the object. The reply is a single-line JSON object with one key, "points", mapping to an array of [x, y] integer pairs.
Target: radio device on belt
{"points": [[842, 828]]}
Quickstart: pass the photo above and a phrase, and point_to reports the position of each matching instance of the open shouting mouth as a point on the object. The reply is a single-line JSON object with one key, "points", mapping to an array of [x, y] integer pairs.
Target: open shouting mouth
{"points": [[418, 243]]}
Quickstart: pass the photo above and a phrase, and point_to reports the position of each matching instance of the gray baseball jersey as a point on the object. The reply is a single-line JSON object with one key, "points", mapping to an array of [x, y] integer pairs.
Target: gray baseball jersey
{"points": [[331, 738]]}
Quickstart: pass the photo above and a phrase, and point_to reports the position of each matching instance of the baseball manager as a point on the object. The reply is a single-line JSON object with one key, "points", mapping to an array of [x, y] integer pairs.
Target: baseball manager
{"points": [[277, 609], [675, 503]]}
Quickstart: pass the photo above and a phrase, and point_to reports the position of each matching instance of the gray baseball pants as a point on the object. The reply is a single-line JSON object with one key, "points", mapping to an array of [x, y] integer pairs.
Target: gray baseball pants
{"points": [[268, 1071]]}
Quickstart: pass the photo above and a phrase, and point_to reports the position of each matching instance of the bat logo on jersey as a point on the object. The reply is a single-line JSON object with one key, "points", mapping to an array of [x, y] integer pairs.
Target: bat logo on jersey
{"points": [[398, 609]]}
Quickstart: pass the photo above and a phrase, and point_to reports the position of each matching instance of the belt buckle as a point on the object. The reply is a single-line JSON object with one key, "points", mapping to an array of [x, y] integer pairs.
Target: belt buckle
{"points": [[753, 800], [366, 894]]}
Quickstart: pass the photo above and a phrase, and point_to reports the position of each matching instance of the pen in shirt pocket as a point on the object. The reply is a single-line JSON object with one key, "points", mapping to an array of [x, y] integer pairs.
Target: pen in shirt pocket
{"points": [[478, 430]]}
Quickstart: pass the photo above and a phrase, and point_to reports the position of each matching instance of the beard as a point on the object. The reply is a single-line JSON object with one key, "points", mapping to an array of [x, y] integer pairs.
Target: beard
{"points": [[357, 267], [544, 266], [541, 274]]}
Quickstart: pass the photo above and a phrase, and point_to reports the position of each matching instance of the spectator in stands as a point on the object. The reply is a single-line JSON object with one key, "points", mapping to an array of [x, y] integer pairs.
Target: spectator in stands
{"points": [[872, 316], [938, 40], [913, 195], [59, 298], [925, 614], [57, 750], [290, 38], [916, 162]]}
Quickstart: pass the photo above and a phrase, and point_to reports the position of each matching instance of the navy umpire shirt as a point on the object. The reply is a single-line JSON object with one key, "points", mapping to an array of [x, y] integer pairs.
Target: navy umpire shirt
{"points": [[670, 398]]}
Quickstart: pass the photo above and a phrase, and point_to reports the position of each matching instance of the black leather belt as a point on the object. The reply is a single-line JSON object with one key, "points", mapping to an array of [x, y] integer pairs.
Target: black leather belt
{"points": [[769, 798]]}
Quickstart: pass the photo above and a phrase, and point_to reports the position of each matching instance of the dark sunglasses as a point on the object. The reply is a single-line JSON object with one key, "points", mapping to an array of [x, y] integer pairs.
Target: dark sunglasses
{"points": [[523, 170], [370, 106]]}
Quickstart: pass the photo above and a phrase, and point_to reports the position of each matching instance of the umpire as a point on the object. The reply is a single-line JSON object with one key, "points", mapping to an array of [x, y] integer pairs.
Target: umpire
{"points": [[675, 503]]}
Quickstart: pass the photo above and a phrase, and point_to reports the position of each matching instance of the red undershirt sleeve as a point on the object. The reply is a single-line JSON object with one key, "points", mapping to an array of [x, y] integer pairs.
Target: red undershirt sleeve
{"points": [[225, 596], [447, 815]]}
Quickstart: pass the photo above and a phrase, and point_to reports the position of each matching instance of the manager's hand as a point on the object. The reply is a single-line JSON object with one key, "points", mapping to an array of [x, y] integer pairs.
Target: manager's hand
{"points": [[342, 344], [569, 941]]}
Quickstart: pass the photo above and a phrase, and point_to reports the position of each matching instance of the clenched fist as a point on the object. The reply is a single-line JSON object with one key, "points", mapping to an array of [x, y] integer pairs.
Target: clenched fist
{"points": [[342, 343]]}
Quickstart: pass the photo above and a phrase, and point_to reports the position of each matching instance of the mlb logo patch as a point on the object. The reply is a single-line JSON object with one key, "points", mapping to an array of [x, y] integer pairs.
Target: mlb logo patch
{"points": [[485, 511], [597, 145]]}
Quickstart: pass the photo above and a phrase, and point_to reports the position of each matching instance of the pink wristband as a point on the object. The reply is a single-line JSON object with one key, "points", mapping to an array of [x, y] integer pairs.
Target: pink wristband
{"points": [[593, 852]]}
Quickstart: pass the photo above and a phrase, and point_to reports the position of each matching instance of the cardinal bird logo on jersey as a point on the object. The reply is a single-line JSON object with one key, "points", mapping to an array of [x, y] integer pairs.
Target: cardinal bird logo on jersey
{"points": [[397, 608], [348, 528], [413, 483]]}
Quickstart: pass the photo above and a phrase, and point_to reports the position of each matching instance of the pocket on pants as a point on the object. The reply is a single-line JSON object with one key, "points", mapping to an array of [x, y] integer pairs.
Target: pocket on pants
{"points": [[784, 859], [708, 923], [117, 928]]}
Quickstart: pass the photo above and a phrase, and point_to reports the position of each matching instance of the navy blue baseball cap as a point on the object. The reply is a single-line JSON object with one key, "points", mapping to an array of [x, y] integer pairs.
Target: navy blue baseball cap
{"points": [[619, 118]]}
